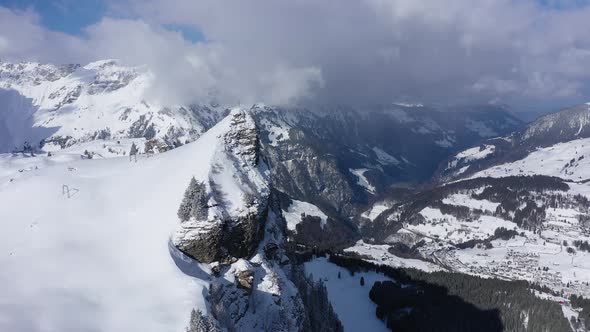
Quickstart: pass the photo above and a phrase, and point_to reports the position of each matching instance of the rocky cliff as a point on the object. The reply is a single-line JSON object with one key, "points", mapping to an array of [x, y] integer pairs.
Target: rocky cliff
{"points": [[238, 188]]}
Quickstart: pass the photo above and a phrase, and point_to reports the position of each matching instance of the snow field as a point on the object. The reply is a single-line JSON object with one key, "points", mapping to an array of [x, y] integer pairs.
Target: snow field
{"points": [[349, 299], [362, 180], [103, 253], [294, 211], [550, 161]]}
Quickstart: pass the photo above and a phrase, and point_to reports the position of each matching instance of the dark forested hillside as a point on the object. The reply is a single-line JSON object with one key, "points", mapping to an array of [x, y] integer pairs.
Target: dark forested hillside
{"points": [[510, 192], [584, 317], [445, 301]]}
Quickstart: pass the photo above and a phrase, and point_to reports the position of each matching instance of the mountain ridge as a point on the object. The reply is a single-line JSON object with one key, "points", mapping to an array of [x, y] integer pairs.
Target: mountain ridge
{"points": [[98, 101], [566, 125]]}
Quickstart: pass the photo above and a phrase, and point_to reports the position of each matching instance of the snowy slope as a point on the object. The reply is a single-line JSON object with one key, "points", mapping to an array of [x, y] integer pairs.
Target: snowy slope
{"points": [[379, 254], [444, 226], [376, 209], [569, 160], [65, 105], [517, 228], [349, 299], [100, 246], [293, 214], [548, 255], [14, 166], [472, 154], [544, 145], [362, 180], [569, 123]]}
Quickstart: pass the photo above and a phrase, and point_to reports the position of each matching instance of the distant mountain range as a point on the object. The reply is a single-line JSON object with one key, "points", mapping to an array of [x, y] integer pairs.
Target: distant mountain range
{"points": [[60, 106]]}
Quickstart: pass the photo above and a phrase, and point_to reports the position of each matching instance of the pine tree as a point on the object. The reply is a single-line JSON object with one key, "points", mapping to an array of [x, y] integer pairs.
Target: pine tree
{"points": [[201, 323], [339, 275], [199, 203], [319, 311], [194, 202], [184, 210], [362, 281]]}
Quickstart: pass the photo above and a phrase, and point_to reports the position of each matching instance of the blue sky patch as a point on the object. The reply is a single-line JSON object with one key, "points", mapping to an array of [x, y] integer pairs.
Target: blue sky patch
{"points": [[68, 16], [188, 32]]}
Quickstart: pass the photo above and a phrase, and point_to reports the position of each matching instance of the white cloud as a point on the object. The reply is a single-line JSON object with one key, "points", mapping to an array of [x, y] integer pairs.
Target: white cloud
{"points": [[184, 72], [24, 38], [360, 51], [3, 45]]}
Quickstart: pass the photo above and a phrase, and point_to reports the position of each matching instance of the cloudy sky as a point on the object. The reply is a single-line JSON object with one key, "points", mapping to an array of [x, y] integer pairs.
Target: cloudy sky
{"points": [[525, 53]]}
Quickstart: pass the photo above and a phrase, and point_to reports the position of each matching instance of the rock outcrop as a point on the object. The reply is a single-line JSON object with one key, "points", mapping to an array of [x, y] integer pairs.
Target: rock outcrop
{"points": [[238, 190], [256, 294]]}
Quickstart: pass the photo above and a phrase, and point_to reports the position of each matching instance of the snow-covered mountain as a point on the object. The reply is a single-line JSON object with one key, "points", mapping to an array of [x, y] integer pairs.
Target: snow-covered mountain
{"points": [[222, 223], [515, 208], [341, 158], [334, 159], [360, 152], [59, 106], [553, 145], [102, 238]]}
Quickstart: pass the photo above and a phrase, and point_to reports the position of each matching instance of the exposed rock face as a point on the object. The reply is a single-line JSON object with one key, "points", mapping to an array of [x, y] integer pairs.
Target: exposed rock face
{"points": [[270, 251], [239, 193], [206, 245], [303, 172], [31, 73], [257, 294], [244, 274], [265, 293], [108, 80], [245, 279], [342, 158], [242, 235], [242, 139]]}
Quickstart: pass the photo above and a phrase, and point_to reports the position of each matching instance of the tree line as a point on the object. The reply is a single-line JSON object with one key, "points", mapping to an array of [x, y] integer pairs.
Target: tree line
{"points": [[447, 301]]}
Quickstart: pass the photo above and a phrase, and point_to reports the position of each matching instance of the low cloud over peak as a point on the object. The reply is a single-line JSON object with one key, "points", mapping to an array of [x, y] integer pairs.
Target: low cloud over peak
{"points": [[354, 52]]}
